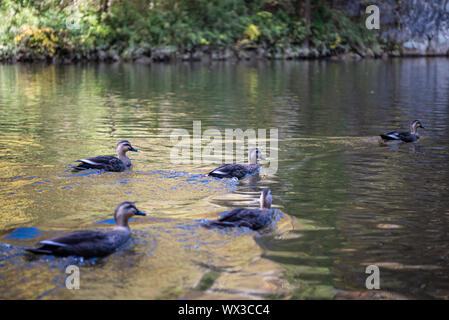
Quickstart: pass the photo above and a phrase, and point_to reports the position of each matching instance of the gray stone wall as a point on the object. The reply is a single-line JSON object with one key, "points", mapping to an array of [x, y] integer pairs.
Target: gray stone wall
{"points": [[418, 27]]}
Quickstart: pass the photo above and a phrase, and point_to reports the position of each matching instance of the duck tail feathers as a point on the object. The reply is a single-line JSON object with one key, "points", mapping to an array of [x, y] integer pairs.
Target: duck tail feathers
{"points": [[217, 224], [218, 174], [389, 136], [86, 164], [38, 251], [79, 167]]}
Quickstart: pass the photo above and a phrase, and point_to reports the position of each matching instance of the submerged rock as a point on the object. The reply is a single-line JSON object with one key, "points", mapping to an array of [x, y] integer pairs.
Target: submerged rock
{"points": [[144, 60], [101, 54], [304, 52], [221, 54], [164, 53]]}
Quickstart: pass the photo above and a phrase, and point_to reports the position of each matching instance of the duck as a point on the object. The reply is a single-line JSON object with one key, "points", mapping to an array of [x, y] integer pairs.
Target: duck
{"points": [[411, 136], [254, 219], [92, 243], [239, 171], [109, 163]]}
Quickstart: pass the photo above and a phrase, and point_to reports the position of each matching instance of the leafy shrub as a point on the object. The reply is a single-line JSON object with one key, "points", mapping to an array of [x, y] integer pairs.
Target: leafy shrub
{"points": [[41, 42], [41, 28]]}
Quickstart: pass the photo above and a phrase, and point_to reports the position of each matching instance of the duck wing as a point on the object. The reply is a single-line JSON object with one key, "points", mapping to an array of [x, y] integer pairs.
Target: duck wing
{"points": [[109, 163], [400, 135], [230, 171], [408, 137], [82, 243], [251, 218], [394, 135]]}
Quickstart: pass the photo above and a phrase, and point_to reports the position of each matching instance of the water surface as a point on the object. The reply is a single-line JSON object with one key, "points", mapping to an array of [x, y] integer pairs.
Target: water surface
{"points": [[350, 202]]}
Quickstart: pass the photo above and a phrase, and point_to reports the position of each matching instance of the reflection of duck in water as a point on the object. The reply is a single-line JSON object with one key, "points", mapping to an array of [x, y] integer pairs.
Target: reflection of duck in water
{"points": [[251, 218], [239, 170], [109, 163], [411, 136], [91, 243]]}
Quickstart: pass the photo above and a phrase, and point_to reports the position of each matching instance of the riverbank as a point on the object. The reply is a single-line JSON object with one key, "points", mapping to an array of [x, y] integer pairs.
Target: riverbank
{"points": [[198, 30], [170, 54]]}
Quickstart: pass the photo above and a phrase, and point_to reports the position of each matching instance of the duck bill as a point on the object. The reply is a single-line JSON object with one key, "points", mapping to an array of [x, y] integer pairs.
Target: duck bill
{"points": [[140, 213], [133, 149]]}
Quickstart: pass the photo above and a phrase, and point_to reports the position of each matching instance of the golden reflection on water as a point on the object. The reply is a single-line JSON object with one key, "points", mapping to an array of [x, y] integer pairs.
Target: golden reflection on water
{"points": [[171, 252], [348, 199], [166, 259]]}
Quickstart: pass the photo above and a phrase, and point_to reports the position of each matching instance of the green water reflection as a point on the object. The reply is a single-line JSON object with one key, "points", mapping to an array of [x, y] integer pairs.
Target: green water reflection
{"points": [[352, 201]]}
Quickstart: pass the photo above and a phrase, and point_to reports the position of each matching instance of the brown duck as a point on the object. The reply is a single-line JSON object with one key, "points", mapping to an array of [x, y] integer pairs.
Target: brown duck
{"points": [[411, 136], [239, 171], [254, 219], [92, 243], [109, 163]]}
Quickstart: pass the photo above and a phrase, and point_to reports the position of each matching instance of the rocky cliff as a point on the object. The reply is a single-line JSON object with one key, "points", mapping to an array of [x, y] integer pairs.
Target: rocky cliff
{"points": [[409, 27]]}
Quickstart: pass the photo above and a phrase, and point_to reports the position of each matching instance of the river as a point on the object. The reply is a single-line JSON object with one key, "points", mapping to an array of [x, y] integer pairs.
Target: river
{"points": [[348, 201]]}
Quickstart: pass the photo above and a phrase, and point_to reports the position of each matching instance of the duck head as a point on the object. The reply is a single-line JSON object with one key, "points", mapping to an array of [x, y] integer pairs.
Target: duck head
{"points": [[124, 146], [124, 211], [415, 125], [253, 155], [265, 199]]}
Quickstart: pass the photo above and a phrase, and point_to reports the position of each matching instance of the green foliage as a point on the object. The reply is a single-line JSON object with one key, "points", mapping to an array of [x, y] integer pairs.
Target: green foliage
{"points": [[252, 32], [41, 42], [184, 24], [336, 31]]}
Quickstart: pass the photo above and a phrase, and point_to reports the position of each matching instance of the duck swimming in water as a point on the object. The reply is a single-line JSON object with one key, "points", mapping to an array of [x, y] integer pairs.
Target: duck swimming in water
{"points": [[239, 170], [254, 219], [92, 243], [109, 163], [411, 136]]}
